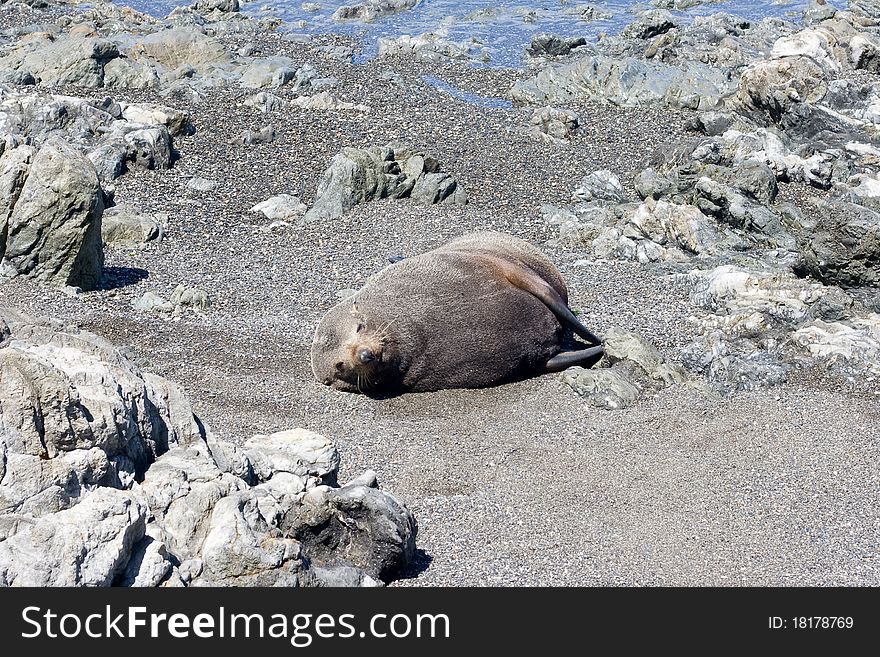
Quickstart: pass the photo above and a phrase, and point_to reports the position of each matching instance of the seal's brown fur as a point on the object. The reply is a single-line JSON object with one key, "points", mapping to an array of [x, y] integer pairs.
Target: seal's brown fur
{"points": [[465, 315]]}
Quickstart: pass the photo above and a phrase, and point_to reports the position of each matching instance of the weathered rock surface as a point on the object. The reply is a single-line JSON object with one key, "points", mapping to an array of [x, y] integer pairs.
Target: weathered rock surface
{"points": [[114, 136], [51, 219], [630, 367], [123, 226], [370, 10], [552, 124], [433, 47], [108, 478], [393, 171]]}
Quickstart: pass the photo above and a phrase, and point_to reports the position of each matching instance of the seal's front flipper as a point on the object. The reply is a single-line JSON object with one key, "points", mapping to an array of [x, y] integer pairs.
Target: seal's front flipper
{"points": [[582, 357], [527, 280]]}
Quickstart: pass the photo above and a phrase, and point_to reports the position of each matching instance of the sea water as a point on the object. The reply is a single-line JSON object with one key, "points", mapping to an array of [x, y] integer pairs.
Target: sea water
{"points": [[503, 29]]}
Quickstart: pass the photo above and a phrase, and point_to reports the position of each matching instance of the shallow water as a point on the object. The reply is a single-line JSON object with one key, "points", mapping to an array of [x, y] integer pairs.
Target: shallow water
{"points": [[503, 28]]}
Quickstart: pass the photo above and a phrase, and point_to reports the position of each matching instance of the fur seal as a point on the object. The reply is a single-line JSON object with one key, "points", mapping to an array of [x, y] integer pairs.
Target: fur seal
{"points": [[483, 309]]}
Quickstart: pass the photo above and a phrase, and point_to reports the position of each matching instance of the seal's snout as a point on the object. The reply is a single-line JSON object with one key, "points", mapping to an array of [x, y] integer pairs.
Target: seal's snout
{"points": [[365, 355]]}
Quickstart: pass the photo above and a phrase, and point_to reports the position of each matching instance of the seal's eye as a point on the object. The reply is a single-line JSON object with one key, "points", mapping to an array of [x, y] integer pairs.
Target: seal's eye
{"points": [[360, 327], [339, 366]]}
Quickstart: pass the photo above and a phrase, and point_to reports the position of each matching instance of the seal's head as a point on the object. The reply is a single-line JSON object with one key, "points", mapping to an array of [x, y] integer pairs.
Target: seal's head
{"points": [[351, 353]]}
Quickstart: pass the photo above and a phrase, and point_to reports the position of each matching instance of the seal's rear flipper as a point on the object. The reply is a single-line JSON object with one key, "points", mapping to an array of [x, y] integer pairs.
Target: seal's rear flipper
{"points": [[582, 357], [525, 279]]}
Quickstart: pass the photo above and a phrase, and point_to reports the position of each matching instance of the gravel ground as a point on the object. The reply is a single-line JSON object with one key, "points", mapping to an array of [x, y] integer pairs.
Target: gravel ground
{"points": [[523, 484]]}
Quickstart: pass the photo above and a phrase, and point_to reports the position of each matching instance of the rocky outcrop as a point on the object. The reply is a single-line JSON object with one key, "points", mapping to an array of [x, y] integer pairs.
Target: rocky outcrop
{"points": [[114, 136], [433, 47], [630, 367], [59, 60], [370, 10], [844, 247], [627, 82], [50, 224], [108, 478], [128, 49], [394, 171], [551, 124]]}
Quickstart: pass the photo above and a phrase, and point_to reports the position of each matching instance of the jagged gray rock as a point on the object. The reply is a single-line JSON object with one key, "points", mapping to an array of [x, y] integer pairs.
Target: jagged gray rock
{"points": [[844, 246], [393, 171]]}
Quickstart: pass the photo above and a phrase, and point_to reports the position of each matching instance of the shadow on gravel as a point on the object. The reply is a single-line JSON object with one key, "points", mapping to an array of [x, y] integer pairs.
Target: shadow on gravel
{"points": [[116, 277], [420, 562]]}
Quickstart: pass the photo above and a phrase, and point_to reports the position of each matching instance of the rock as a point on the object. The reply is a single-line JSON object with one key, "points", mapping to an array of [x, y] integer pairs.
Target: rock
{"points": [[122, 226], [62, 60], [183, 299], [148, 565], [148, 147], [193, 298], [770, 88], [97, 128], [550, 45], [734, 365], [224, 6], [199, 184], [724, 203], [175, 121], [370, 529], [627, 82], [264, 135], [818, 11], [361, 175], [179, 47], [599, 185], [865, 52], [298, 452], [53, 229], [151, 302], [282, 207], [265, 102], [649, 24], [627, 347], [811, 43], [324, 101], [552, 124], [713, 123], [125, 73], [729, 289], [588, 12], [269, 72], [87, 545], [432, 47], [844, 247], [370, 10], [849, 349], [604, 388]]}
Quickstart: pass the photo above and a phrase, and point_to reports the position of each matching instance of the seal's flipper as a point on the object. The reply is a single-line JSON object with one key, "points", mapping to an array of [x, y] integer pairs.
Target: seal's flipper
{"points": [[582, 357], [526, 279]]}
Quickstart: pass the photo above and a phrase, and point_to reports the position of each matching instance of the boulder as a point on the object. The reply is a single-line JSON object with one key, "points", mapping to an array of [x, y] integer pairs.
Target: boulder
{"points": [[360, 175], [844, 247], [87, 545], [53, 229], [62, 60]]}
